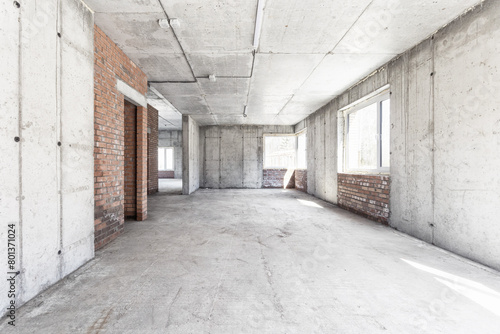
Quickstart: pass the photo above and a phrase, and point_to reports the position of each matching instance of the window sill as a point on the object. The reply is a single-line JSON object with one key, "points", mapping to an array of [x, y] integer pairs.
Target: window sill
{"points": [[368, 173]]}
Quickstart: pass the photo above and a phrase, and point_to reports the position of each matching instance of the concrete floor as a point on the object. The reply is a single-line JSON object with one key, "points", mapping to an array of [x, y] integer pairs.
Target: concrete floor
{"points": [[265, 261], [170, 186]]}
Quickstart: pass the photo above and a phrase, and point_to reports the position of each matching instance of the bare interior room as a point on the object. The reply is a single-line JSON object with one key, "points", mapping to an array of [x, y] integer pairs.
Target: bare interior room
{"points": [[250, 166]]}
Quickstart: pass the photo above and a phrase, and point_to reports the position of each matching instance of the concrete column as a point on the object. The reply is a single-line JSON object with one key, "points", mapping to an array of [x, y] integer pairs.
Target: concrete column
{"points": [[190, 155]]}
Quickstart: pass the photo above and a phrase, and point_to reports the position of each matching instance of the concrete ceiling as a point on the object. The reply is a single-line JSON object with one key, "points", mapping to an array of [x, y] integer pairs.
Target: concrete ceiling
{"points": [[169, 118], [309, 52]]}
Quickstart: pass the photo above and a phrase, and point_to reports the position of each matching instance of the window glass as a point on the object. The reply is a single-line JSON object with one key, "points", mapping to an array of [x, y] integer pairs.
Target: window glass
{"points": [[165, 158], [170, 158], [368, 136], [302, 151], [161, 158], [279, 151], [386, 131], [362, 138]]}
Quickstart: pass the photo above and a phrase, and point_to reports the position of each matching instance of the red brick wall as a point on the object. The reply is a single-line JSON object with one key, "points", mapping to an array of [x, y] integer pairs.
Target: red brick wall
{"points": [[152, 150], [301, 179], [110, 62], [130, 160], [166, 174], [142, 164], [367, 195], [275, 178]]}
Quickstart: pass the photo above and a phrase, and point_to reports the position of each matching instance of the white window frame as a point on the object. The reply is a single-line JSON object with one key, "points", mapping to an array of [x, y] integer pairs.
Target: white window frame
{"points": [[173, 159], [377, 97]]}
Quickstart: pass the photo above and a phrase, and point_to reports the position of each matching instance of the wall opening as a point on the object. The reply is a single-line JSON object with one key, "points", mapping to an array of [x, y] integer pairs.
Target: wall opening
{"points": [[166, 162], [280, 160], [166, 171]]}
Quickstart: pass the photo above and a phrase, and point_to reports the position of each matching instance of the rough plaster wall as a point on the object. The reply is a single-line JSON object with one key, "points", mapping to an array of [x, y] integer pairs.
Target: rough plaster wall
{"points": [[445, 136], [232, 156], [173, 139], [46, 101], [191, 155]]}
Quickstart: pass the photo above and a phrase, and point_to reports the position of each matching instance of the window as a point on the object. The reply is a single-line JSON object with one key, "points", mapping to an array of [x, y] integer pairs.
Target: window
{"points": [[368, 135], [165, 158], [279, 151], [302, 151]]}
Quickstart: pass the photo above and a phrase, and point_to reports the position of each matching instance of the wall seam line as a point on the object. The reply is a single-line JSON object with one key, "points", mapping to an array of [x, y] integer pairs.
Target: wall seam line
{"points": [[20, 130]]}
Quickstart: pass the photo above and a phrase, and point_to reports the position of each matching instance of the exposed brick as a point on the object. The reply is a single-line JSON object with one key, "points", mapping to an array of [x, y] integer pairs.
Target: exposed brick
{"points": [[130, 160], [152, 150], [275, 178], [367, 195], [166, 174], [109, 132], [301, 179]]}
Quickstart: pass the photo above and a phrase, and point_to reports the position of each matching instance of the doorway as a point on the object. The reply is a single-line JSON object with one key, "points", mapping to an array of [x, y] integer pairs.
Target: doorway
{"points": [[167, 183], [170, 162]]}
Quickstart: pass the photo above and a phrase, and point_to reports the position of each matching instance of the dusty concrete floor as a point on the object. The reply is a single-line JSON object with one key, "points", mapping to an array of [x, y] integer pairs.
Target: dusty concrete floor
{"points": [[170, 186], [265, 261]]}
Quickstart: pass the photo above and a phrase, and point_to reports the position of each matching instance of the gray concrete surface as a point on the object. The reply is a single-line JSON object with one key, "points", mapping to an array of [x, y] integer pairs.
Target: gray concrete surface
{"points": [[232, 156], [170, 186], [190, 155], [169, 118], [216, 37], [445, 186], [47, 175], [265, 261], [173, 139]]}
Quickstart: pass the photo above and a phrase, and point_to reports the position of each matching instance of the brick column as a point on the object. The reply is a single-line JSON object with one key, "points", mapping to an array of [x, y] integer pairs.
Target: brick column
{"points": [[142, 163], [152, 150]]}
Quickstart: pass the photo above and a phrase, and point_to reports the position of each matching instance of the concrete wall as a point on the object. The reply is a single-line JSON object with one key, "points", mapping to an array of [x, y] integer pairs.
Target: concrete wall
{"points": [[173, 139], [191, 155], [322, 164], [46, 183], [232, 156], [445, 137]]}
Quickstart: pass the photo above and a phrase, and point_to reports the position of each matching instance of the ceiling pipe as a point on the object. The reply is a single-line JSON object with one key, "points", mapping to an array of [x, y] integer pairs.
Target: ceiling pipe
{"points": [[176, 23], [258, 23]]}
